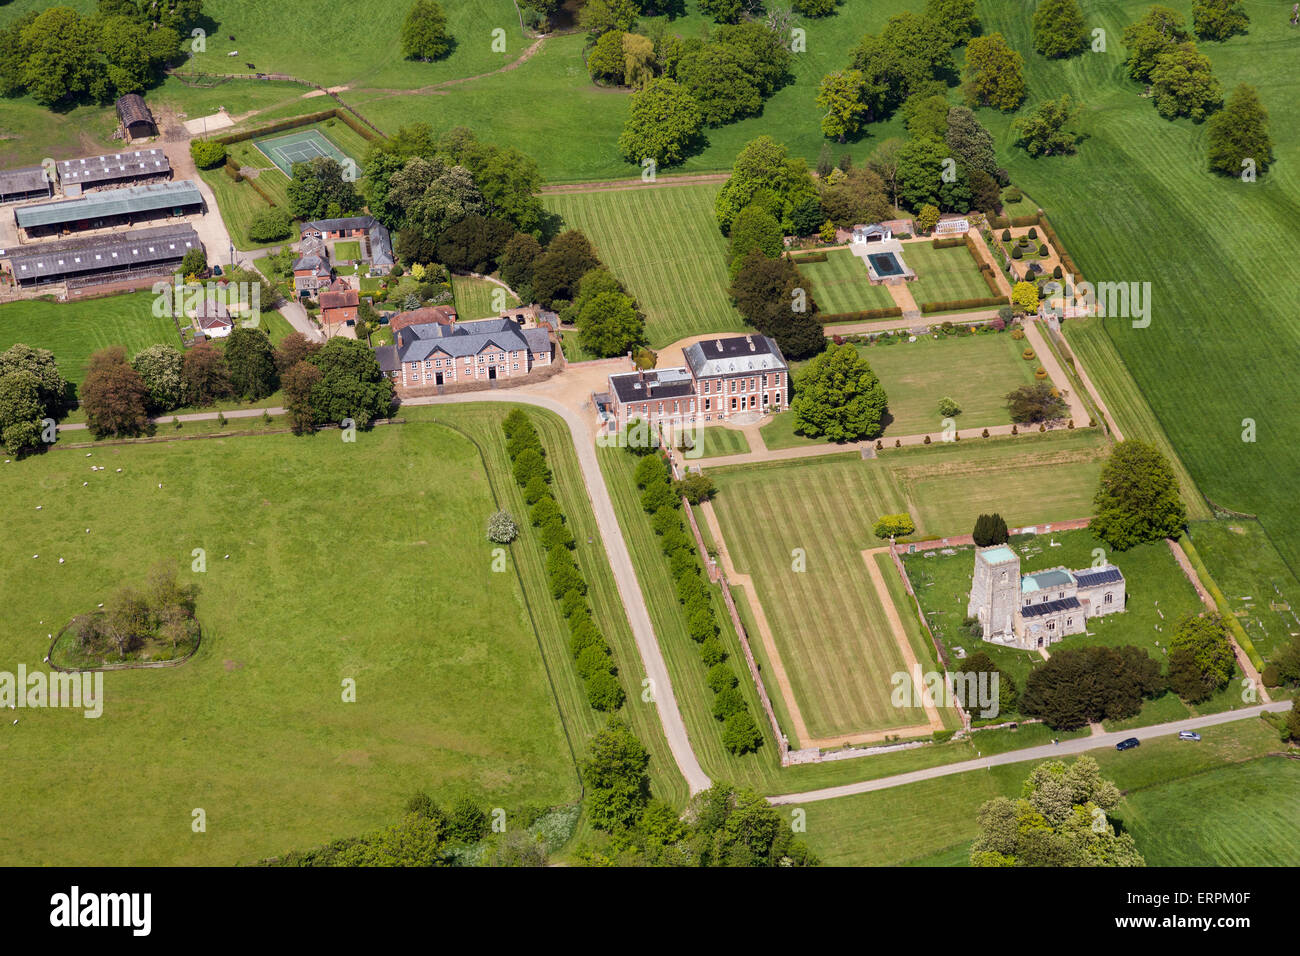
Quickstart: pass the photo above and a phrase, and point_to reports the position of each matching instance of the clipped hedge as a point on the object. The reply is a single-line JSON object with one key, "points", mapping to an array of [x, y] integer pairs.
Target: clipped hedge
{"points": [[591, 654], [866, 315], [810, 257], [949, 243], [954, 304]]}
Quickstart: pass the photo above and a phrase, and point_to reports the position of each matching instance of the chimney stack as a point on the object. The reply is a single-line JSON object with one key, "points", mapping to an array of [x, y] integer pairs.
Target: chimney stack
{"points": [[750, 340]]}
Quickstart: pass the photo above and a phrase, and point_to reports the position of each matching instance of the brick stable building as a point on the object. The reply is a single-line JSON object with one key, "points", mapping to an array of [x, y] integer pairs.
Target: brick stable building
{"points": [[722, 377]]}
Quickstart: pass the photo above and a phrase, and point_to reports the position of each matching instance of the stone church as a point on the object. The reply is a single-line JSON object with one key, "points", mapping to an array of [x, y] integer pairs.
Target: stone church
{"points": [[1035, 610]]}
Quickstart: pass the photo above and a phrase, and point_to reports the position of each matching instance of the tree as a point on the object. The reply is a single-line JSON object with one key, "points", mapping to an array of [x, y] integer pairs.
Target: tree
{"points": [[474, 243], [910, 53], [610, 325], [1031, 404], [994, 74], [320, 186], [424, 32], [1049, 130], [270, 225], [814, 8], [113, 395], [1060, 820], [1084, 685], [894, 526], [639, 61], [21, 412], [838, 397], [1138, 498], [250, 359], [957, 15], [729, 11], [351, 384], [920, 170], [663, 124], [1219, 19], [841, 96], [1183, 83], [615, 773], [724, 89], [601, 16], [1292, 731], [766, 174], [298, 381], [970, 143], [508, 182], [605, 61], [1239, 132], [768, 293], [925, 114], [557, 271], [754, 228], [194, 262], [857, 196], [1024, 297], [1160, 30], [1059, 29], [52, 388], [207, 154], [990, 530], [927, 218], [517, 259], [160, 370], [884, 161], [948, 407], [740, 735], [293, 348], [1200, 658], [206, 377]]}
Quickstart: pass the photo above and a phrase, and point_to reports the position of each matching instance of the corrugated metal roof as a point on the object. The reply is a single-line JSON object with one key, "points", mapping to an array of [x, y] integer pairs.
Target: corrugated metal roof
{"points": [[117, 251], [111, 166], [19, 182], [114, 202]]}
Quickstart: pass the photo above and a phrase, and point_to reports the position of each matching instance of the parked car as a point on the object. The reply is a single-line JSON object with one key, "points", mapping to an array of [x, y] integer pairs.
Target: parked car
{"points": [[1128, 744], [1188, 735]]}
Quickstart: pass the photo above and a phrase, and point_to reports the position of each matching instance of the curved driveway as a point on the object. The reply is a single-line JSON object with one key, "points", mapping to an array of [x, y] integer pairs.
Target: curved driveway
{"points": [[620, 562]]}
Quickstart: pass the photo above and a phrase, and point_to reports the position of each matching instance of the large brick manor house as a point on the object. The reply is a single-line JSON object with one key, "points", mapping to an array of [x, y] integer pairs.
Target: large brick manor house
{"points": [[722, 378]]}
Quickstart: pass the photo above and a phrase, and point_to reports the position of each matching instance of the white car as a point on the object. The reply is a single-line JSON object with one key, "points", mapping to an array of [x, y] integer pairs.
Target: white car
{"points": [[1188, 735]]}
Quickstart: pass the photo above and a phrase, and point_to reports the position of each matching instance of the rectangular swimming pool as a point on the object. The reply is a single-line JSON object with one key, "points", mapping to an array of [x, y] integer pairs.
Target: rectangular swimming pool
{"points": [[886, 264]]}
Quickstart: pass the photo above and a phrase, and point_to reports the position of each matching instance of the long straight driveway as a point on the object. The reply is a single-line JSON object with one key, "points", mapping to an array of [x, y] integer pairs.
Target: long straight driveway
{"points": [[620, 562]]}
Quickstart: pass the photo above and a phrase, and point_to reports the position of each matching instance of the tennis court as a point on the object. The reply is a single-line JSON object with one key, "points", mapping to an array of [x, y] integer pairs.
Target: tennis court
{"points": [[301, 146]]}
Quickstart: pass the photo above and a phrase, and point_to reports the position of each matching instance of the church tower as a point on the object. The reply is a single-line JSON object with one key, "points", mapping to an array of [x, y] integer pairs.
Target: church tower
{"points": [[995, 590]]}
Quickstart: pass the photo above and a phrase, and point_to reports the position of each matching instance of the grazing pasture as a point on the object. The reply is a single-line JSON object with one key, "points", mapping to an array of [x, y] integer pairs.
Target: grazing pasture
{"points": [[254, 728]]}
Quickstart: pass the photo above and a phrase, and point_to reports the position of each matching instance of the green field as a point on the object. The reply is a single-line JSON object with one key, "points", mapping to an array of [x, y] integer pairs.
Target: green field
{"points": [[716, 441], [840, 284], [347, 251], [933, 822], [474, 297], [943, 275], [253, 729], [975, 371], [827, 620], [663, 244], [73, 330]]}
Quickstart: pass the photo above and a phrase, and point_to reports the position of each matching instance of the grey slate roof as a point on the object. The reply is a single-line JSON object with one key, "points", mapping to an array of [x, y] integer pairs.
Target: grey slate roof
{"points": [[387, 357], [337, 225], [736, 354], [381, 246], [113, 202], [652, 385], [115, 251], [20, 182], [112, 166], [1050, 607], [1098, 577], [465, 338]]}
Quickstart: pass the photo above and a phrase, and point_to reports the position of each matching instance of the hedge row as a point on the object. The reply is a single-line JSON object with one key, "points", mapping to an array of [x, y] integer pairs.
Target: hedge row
{"points": [[592, 656], [827, 318], [279, 126], [1067, 264], [954, 304], [663, 503], [1015, 222], [985, 269], [948, 243], [811, 257]]}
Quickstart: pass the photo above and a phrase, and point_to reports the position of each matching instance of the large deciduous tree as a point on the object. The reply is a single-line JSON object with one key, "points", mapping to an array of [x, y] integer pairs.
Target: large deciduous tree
{"points": [[1219, 19], [838, 397], [1159, 31], [765, 173], [250, 359], [424, 32], [351, 384], [1059, 29], [160, 368], [777, 301], [1138, 498], [113, 395], [663, 124], [1049, 130], [1183, 84], [1238, 135], [994, 74], [320, 188], [609, 324]]}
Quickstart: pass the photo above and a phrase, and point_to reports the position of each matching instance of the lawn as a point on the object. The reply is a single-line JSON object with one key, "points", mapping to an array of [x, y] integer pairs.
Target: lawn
{"points": [[840, 284], [716, 441], [975, 371], [943, 275], [238, 204], [475, 298], [253, 729], [933, 821], [1158, 595], [73, 330], [1240, 815], [664, 245], [804, 553], [348, 251]]}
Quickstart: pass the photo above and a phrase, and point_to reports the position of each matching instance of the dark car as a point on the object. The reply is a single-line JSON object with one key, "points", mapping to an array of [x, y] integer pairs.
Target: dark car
{"points": [[1128, 744]]}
